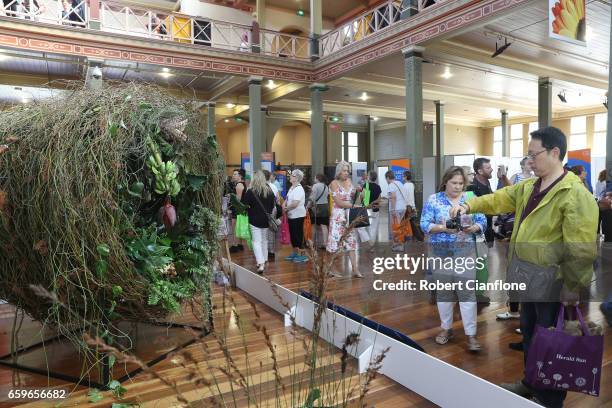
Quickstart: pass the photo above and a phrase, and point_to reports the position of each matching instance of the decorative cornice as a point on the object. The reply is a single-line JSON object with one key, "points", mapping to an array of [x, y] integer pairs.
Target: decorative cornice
{"points": [[255, 80]]}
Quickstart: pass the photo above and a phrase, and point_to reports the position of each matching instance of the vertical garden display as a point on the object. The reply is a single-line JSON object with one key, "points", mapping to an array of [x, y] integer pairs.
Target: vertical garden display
{"points": [[109, 202]]}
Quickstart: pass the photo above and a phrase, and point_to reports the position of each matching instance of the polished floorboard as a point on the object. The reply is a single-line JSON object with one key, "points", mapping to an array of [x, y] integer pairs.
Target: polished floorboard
{"points": [[412, 314], [206, 355]]}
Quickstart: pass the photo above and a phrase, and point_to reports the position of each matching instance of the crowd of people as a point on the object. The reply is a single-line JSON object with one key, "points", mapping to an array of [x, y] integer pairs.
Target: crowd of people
{"points": [[544, 204]]}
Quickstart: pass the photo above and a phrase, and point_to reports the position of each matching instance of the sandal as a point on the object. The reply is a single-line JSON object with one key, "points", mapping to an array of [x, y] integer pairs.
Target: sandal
{"points": [[473, 344], [357, 275], [444, 337]]}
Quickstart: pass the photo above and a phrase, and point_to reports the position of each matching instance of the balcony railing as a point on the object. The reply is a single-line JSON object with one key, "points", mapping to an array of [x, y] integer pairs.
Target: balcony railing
{"points": [[370, 22], [64, 12], [163, 25]]}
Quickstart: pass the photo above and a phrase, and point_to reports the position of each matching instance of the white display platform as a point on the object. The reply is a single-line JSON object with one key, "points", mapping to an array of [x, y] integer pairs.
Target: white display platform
{"points": [[433, 379]]}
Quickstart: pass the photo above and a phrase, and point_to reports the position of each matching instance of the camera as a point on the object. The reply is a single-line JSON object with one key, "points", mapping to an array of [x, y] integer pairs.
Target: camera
{"points": [[454, 223]]}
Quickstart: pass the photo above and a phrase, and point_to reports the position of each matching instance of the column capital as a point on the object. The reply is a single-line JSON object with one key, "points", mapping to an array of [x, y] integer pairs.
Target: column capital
{"points": [[440, 103], [503, 112], [264, 108], [544, 80], [413, 51], [210, 104], [255, 80], [318, 87]]}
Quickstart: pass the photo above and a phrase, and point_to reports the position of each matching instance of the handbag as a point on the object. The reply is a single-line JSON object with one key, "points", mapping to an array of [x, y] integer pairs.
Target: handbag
{"points": [[271, 220], [307, 228], [358, 216], [320, 210], [285, 237], [562, 362], [417, 232], [366, 195], [242, 231]]}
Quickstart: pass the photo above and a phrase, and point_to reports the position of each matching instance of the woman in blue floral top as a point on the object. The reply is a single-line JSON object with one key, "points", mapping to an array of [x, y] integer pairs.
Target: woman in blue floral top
{"points": [[445, 243]]}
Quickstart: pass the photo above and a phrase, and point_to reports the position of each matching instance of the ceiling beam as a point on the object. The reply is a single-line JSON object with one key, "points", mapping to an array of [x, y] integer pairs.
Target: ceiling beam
{"points": [[481, 55], [380, 111], [435, 92], [227, 86], [280, 92]]}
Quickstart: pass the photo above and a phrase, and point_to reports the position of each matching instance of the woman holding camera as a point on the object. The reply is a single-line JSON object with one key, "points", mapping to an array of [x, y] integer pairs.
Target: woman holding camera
{"points": [[453, 238]]}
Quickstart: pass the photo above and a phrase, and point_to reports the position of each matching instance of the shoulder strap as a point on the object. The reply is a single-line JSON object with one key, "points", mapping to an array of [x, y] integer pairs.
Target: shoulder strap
{"points": [[322, 193], [259, 202], [400, 189]]}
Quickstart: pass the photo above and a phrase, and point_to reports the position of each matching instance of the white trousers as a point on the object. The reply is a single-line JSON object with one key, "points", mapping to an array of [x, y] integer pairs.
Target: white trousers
{"points": [[468, 316], [374, 221], [260, 244]]}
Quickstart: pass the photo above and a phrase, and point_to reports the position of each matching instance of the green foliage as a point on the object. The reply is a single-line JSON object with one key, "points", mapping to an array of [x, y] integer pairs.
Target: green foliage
{"points": [[170, 293], [94, 395]]}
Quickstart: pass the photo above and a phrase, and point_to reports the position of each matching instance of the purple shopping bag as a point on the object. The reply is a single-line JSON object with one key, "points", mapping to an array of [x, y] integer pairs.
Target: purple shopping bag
{"points": [[558, 361]]}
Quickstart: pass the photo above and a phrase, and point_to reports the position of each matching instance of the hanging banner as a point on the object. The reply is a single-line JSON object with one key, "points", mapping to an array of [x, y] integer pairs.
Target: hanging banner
{"points": [[245, 163], [281, 182], [360, 172], [267, 161], [567, 20], [581, 158], [398, 167]]}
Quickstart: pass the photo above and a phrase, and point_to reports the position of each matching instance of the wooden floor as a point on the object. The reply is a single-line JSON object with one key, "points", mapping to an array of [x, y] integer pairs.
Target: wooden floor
{"points": [[150, 392], [413, 315]]}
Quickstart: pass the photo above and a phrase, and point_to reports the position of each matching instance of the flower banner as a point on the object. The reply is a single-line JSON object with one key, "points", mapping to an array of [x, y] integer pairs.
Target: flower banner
{"points": [[567, 20]]}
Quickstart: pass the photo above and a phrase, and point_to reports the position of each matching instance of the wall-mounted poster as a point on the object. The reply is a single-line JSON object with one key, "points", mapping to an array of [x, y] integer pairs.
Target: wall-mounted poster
{"points": [[399, 166], [581, 158], [567, 20]]}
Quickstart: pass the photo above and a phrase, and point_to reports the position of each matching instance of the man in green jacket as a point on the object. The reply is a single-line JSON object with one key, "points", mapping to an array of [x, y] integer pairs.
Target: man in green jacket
{"points": [[553, 241]]}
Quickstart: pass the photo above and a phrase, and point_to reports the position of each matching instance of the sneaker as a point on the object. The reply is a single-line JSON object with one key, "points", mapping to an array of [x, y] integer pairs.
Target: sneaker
{"points": [[300, 259], [517, 388], [473, 344], [518, 346], [518, 331], [508, 316], [290, 257]]}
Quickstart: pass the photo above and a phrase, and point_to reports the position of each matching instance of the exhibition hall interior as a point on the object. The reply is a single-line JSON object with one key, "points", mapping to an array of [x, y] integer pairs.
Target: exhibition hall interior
{"points": [[234, 203]]}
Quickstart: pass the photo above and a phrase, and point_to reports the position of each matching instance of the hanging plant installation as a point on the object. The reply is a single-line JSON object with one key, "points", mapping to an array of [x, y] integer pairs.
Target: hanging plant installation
{"points": [[109, 200]]}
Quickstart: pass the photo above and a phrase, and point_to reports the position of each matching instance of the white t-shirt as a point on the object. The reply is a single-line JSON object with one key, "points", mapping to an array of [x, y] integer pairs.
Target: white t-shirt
{"points": [[397, 188], [409, 193], [296, 194]]}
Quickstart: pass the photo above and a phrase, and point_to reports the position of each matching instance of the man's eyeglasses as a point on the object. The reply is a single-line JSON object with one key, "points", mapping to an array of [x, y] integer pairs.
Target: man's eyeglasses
{"points": [[532, 156]]}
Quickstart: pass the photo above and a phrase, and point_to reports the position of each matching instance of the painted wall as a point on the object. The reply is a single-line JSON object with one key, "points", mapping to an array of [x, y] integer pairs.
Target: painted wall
{"points": [[233, 141], [292, 145], [458, 140], [215, 12]]}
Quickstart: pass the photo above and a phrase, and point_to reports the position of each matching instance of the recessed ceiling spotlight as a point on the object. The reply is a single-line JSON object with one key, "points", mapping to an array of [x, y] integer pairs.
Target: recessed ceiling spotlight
{"points": [[499, 49], [226, 120], [374, 118], [165, 69], [364, 96], [165, 73], [230, 105], [561, 96], [309, 112], [447, 74], [271, 84]]}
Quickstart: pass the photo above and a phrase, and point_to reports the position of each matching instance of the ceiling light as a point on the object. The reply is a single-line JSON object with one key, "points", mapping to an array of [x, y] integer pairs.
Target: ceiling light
{"points": [[334, 119], [238, 119], [165, 69], [605, 102], [309, 112], [375, 118], [230, 105], [447, 74], [498, 49], [226, 120], [364, 96], [561, 96], [300, 13], [271, 84], [165, 73], [3, 57]]}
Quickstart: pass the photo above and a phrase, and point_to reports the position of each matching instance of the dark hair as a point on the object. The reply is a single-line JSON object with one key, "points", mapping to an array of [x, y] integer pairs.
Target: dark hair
{"points": [[408, 175], [373, 176], [479, 163], [266, 174], [242, 172], [321, 178], [523, 160], [551, 137], [449, 174], [577, 170], [390, 175], [603, 175]]}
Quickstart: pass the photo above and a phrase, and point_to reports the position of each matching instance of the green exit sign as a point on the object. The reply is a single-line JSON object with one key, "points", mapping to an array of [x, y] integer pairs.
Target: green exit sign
{"points": [[300, 13]]}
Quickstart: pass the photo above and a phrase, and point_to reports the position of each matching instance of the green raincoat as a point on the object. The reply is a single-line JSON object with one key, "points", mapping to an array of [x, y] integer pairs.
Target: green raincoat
{"points": [[561, 231]]}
